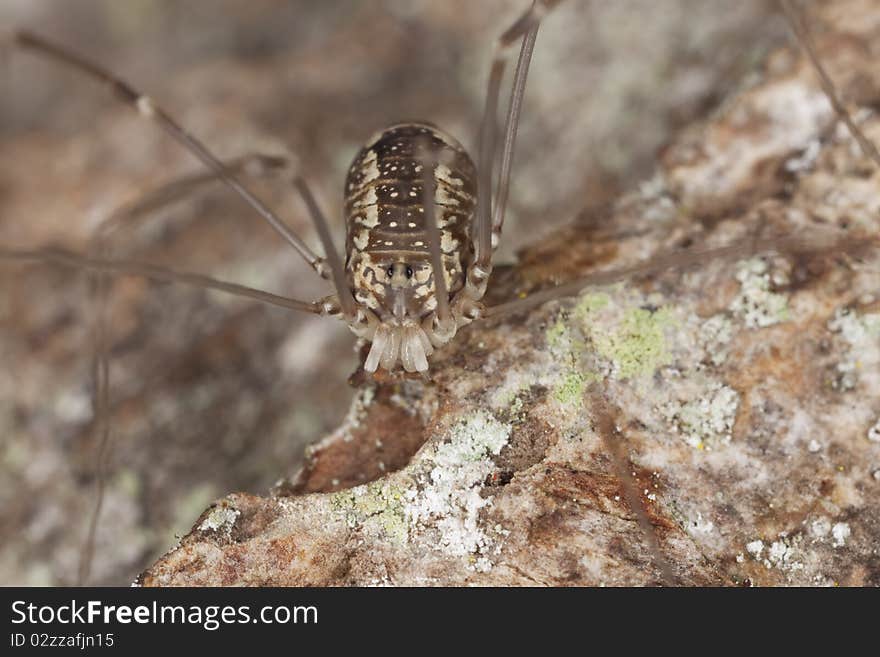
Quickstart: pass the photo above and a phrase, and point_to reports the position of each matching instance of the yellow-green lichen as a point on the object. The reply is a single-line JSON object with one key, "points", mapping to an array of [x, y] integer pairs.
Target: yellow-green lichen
{"points": [[558, 337], [379, 504], [589, 304], [571, 389], [637, 346]]}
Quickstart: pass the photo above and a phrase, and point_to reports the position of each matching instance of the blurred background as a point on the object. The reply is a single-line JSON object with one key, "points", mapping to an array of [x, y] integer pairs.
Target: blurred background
{"points": [[211, 394]]}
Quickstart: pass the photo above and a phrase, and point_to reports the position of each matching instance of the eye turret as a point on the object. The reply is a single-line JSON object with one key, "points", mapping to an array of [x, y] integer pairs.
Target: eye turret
{"points": [[398, 273]]}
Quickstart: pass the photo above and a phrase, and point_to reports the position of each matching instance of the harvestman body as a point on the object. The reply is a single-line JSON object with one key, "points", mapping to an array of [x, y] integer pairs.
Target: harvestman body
{"points": [[422, 221], [419, 235], [389, 261]]}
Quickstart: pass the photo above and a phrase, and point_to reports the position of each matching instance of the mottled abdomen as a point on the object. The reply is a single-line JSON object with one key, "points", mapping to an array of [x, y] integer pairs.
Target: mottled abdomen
{"points": [[385, 220]]}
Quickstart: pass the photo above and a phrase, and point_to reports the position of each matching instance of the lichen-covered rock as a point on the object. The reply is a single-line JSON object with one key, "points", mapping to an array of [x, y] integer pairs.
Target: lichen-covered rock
{"points": [[743, 394], [210, 393]]}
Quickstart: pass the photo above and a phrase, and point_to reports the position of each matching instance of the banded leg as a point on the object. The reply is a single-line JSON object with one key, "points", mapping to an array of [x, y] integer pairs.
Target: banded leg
{"points": [[526, 28], [146, 108]]}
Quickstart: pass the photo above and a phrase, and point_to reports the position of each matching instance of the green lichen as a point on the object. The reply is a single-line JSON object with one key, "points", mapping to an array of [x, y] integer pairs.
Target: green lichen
{"points": [[559, 338], [379, 504], [637, 346], [632, 339], [571, 389], [590, 304]]}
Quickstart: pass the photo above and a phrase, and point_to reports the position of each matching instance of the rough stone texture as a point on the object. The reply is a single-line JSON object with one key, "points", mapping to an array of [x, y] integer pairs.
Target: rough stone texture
{"points": [[211, 394], [745, 394]]}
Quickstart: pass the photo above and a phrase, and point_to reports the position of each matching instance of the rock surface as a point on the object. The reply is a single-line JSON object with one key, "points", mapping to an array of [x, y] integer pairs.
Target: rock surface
{"points": [[210, 393], [742, 396]]}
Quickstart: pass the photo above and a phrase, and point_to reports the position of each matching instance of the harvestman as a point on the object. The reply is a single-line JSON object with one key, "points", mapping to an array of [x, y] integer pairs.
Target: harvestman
{"points": [[420, 231]]}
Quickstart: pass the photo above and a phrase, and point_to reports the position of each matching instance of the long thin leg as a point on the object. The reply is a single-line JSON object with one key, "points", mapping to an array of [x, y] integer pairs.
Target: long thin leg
{"points": [[429, 163], [612, 437], [525, 27], [103, 267], [101, 424], [782, 245], [260, 165], [147, 270], [513, 112], [802, 33], [127, 216], [177, 190], [343, 293], [146, 108]]}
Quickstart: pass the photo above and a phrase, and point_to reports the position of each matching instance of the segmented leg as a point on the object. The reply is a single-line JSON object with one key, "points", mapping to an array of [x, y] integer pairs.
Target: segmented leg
{"points": [[146, 108], [69, 259], [802, 33], [782, 245], [511, 126], [256, 164], [101, 365], [343, 293], [131, 214], [609, 430], [525, 27], [128, 216], [103, 267], [429, 204]]}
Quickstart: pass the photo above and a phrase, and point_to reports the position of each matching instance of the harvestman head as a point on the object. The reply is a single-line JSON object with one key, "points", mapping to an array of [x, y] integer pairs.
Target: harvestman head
{"points": [[422, 222]]}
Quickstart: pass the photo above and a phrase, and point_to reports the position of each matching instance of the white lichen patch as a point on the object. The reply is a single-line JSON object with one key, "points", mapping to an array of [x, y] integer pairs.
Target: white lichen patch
{"points": [[855, 328], [706, 420], [840, 532], [221, 518], [448, 500], [659, 204], [714, 335], [755, 548], [861, 332], [820, 528], [700, 526], [756, 304], [784, 554], [357, 411]]}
